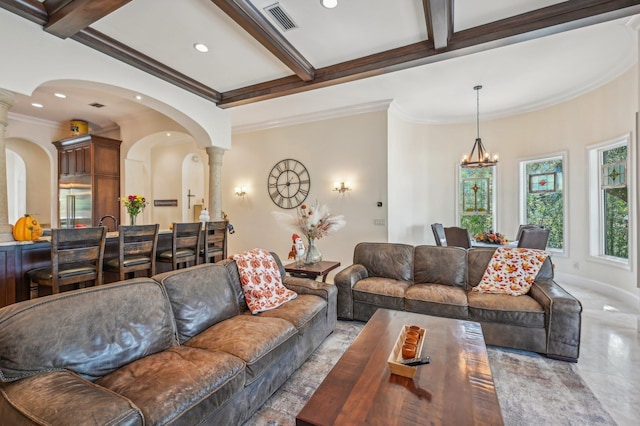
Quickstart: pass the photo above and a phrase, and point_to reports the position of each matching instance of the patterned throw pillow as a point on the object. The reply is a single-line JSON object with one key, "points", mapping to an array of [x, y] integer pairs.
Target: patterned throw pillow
{"points": [[511, 271], [261, 281]]}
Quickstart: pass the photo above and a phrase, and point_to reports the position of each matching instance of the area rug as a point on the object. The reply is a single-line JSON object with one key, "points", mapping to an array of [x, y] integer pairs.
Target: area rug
{"points": [[532, 390]]}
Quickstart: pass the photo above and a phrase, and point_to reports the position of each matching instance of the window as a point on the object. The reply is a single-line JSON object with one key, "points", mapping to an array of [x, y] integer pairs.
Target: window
{"points": [[609, 201], [542, 197], [476, 199]]}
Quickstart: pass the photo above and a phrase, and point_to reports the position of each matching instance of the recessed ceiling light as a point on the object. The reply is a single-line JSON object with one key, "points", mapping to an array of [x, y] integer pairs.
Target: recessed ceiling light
{"points": [[37, 105], [201, 47], [168, 134], [138, 97], [60, 95], [329, 4]]}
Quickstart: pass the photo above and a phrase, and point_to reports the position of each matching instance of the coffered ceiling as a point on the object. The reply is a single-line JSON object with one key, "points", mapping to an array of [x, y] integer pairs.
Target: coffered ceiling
{"points": [[425, 54]]}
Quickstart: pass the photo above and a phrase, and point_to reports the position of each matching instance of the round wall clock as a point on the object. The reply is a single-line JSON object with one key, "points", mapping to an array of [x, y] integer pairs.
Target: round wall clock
{"points": [[288, 183]]}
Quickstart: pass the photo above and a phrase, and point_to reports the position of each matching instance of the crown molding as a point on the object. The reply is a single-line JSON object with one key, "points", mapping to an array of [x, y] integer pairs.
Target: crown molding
{"points": [[33, 120], [313, 116]]}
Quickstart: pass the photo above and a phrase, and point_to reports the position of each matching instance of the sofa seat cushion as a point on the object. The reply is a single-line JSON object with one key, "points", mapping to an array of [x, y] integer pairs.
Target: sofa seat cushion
{"points": [[300, 311], [35, 398], [259, 341], [382, 292], [179, 385], [437, 299], [502, 308]]}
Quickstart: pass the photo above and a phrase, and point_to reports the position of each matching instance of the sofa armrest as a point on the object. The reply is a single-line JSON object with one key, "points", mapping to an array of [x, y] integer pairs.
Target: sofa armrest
{"points": [[344, 281], [62, 397], [563, 312]]}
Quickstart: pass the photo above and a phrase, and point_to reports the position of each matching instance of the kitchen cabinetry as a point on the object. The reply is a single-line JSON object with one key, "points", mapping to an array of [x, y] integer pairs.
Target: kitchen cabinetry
{"points": [[88, 180]]}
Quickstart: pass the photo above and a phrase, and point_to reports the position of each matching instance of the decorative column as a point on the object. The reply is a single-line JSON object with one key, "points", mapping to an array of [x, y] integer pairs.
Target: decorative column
{"points": [[215, 181], [6, 101]]}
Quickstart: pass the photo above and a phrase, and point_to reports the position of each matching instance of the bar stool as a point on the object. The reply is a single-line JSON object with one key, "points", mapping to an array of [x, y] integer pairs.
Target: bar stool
{"points": [[215, 241], [185, 245], [136, 251], [76, 258]]}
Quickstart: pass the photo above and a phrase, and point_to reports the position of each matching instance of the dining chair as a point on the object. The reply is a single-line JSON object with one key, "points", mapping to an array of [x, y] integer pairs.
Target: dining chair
{"points": [[534, 238], [457, 237], [214, 241], [76, 258], [438, 234], [526, 226], [136, 251], [185, 245]]}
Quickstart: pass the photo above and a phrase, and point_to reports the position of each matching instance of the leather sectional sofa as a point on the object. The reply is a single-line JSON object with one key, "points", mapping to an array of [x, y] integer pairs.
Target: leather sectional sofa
{"points": [[180, 348], [437, 281]]}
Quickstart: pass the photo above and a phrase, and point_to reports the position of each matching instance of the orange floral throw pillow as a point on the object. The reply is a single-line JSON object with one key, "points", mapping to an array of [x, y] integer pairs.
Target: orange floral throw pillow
{"points": [[511, 271], [261, 281]]}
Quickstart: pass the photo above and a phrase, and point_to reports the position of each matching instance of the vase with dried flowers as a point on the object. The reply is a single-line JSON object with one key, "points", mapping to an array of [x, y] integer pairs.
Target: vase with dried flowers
{"points": [[135, 204], [314, 222]]}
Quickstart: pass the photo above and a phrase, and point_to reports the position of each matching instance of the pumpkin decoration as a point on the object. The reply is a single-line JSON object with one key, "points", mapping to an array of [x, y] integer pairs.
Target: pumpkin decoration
{"points": [[27, 228]]}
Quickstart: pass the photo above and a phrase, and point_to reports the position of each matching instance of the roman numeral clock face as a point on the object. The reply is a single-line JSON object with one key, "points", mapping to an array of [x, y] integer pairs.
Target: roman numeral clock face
{"points": [[289, 184]]}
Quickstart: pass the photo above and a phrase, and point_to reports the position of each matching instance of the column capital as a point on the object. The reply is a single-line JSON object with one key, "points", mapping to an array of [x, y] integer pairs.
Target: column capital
{"points": [[215, 154], [7, 99]]}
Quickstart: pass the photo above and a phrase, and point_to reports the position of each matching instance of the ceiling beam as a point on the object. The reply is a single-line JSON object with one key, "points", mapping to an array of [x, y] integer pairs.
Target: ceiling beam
{"points": [[115, 49], [538, 23], [34, 11], [66, 18], [255, 23], [31, 10], [553, 19], [439, 21]]}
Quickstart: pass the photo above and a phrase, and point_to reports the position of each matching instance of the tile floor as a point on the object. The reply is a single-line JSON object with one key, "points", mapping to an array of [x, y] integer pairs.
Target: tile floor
{"points": [[609, 359]]}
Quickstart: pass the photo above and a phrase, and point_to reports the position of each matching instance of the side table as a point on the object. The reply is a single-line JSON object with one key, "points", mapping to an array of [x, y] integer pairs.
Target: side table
{"points": [[320, 269]]}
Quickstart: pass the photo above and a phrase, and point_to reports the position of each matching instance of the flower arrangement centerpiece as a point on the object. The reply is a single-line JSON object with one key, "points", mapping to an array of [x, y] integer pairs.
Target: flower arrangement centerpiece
{"points": [[314, 222], [135, 204], [491, 237]]}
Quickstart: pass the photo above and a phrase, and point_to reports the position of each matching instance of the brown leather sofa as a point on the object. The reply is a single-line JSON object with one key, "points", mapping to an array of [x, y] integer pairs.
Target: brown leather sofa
{"points": [[437, 281], [181, 348]]}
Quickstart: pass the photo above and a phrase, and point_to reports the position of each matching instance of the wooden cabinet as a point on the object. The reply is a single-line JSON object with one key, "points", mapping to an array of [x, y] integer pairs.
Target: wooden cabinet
{"points": [[88, 180]]}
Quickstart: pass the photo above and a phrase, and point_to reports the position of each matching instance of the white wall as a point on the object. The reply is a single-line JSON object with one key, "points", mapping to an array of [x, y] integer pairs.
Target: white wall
{"points": [[601, 115], [351, 148]]}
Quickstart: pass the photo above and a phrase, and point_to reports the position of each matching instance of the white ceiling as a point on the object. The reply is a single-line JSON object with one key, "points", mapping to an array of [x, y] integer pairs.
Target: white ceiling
{"points": [[516, 78]]}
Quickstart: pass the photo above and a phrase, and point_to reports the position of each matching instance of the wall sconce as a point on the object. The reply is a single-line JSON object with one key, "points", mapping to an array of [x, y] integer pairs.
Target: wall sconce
{"points": [[240, 192], [341, 187]]}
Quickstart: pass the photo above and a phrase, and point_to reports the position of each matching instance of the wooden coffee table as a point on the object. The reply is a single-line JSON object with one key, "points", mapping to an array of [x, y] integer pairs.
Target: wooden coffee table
{"points": [[456, 388]]}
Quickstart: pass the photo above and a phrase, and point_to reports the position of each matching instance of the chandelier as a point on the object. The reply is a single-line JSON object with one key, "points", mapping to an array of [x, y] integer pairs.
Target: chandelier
{"points": [[479, 157]]}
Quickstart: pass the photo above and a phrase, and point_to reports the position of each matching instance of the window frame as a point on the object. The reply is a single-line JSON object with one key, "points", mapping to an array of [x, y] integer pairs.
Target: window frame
{"points": [[596, 202], [493, 199], [524, 187]]}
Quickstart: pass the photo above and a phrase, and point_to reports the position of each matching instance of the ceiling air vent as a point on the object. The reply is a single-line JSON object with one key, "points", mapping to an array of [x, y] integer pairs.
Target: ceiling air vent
{"points": [[281, 17], [96, 105]]}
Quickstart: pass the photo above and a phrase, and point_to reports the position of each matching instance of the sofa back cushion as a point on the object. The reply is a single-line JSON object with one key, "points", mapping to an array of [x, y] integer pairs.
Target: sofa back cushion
{"points": [[479, 258], [91, 332], [200, 297], [440, 265], [385, 260]]}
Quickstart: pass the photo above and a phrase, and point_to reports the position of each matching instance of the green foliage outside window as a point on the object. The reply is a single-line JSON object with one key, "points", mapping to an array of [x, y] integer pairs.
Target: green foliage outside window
{"points": [[482, 219], [616, 210], [547, 208]]}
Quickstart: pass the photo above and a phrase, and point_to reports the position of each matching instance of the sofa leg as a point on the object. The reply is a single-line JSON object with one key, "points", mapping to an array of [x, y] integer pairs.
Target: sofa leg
{"points": [[562, 358]]}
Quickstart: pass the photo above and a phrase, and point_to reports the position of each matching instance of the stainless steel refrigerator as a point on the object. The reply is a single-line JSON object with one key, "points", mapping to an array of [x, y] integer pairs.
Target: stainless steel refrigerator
{"points": [[75, 202]]}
